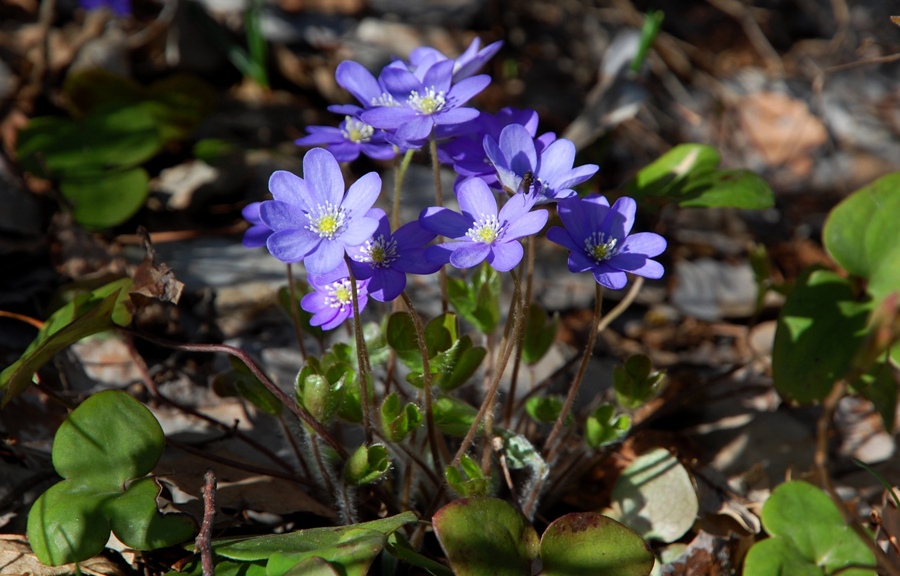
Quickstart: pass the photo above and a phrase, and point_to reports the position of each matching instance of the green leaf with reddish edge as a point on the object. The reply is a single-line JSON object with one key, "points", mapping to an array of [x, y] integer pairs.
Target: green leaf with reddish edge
{"points": [[105, 198], [85, 315], [223, 568], [590, 543], [486, 537], [814, 539], [311, 566], [688, 174], [109, 439], [819, 332], [263, 547], [540, 333]]}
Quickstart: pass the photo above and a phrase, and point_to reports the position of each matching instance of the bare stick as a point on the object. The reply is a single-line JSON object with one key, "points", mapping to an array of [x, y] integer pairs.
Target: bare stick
{"points": [[204, 538]]}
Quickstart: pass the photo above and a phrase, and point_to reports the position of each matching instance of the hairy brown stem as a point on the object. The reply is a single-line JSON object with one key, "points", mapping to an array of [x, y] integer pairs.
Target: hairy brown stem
{"points": [[295, 311], [426, 379], [362, 358], [439, 200]]}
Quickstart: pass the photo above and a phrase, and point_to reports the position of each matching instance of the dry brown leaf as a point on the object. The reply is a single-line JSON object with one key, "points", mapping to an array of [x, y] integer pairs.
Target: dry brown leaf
{"points": [[782, 129], [16, 557]]}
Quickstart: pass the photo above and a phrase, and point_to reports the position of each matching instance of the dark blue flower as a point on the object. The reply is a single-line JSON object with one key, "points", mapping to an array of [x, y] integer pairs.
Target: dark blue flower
{"points": [[599, 242], [481, 233], [465, 152], [468, 63], [385, 259]]}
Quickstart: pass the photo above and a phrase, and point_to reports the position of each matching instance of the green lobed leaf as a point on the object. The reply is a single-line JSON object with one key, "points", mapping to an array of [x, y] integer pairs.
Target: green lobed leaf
{"points": [[590, 543], [688, 174], [138, 523], [66, 524], [540, 333], [397, 420], [456, 366], [467, 480], [121, 137], [486, 537], [813, 533], [819, 331], [87, 314], [263, 547], [401, 337], [453, 416], [105, 198], [477, 302], [635, 382], [544, 408], [108, 439], [604, 427], [655, 497]]}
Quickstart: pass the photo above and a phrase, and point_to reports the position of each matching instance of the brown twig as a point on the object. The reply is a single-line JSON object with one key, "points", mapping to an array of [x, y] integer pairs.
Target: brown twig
{"points": [[204, 538], [235, 463]]}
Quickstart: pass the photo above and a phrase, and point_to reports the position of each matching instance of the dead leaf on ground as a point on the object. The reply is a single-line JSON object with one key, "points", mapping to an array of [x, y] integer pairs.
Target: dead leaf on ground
{"points": [[16, 557]]}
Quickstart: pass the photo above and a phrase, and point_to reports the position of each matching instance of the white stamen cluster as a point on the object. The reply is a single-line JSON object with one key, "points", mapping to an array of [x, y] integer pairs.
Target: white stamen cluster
{"points": [[339, 294], [379, 252], [599, 248], [356, 130], [433, 101], [384, 100], [486, 229], [327, 221]]}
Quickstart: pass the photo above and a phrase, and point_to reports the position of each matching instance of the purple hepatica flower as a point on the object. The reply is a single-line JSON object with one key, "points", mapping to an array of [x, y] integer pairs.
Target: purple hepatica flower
{"points": [[598, 239], [468, 63], [517, 154], [331, 302], [480, 233], [386, 259], [313, 220], [349, 139], [426, 103], [466, 152], [120, 8], [358, 81], [257, 234]]}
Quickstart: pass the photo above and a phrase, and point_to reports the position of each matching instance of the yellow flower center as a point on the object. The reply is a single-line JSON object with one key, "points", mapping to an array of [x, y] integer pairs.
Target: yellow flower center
{"points": [[327, 221], [599, 248], [432, 101], [486, 229]]}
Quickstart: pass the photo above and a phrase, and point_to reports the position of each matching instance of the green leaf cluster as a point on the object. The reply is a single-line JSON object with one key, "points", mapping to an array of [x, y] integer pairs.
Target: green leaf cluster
{"points": [[115, 126], [688, 175], [604, 427], [104, 450], [477, 301], [636, 382]]}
